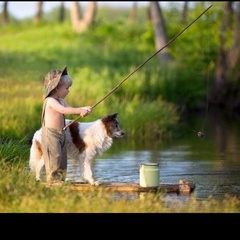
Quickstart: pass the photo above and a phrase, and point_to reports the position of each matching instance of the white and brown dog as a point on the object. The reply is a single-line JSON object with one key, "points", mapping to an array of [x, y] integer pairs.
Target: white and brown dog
{"points": [[85, 140]]}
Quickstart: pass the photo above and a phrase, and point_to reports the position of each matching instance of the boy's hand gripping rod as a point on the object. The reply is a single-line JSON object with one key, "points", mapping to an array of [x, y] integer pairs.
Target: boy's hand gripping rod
{"points": [[130, 74]]}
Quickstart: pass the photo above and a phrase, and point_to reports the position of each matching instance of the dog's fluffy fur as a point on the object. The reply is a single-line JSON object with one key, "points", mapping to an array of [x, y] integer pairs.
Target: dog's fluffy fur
{"points": [[84, 141]]}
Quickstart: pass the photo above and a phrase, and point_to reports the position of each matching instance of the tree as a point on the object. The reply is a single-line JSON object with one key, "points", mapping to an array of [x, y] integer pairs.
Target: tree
{"points": [[234, 55], [160, 37], [133, 13], [82, 22], [38, 15], [228, 57], [62, 12], [185, 12], [5, 16]]}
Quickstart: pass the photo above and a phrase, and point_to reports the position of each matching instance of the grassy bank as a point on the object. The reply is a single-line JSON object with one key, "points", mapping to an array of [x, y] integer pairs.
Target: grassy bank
{"points": [[19, 193]]}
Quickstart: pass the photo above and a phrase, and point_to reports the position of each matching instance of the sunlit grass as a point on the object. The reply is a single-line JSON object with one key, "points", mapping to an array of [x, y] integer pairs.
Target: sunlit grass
{"points": [[95, 72], [98, 60]]}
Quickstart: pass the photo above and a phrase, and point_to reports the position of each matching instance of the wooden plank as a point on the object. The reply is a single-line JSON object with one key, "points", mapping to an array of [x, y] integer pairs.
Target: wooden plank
{"points": [[181, 187]]}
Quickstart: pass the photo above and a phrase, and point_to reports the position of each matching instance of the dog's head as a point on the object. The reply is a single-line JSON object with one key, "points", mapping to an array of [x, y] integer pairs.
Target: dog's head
{"points": [[111, 123]]}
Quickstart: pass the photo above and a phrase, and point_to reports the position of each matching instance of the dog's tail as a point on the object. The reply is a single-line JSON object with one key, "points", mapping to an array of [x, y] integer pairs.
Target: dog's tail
{"points": [[35, 152]]}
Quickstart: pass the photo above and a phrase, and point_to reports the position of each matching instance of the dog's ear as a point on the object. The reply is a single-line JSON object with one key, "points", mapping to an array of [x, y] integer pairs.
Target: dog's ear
{"points": [[110, 117], [113, 116]]}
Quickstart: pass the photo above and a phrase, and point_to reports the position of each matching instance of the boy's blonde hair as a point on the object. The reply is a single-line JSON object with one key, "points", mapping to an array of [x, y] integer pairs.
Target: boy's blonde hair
{"points": [[65, 79]]}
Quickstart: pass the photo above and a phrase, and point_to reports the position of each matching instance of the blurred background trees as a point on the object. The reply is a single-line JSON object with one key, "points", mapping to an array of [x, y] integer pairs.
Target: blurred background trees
{"points": [[225, 88]]}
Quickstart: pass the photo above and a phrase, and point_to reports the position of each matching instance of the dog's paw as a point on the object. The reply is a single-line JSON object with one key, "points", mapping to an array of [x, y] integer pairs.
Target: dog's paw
{"points": [[95, 183], [91, 181], [38, 179]]}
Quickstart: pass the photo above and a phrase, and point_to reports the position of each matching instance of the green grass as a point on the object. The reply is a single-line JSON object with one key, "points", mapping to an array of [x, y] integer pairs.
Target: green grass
{"points": [[96, 64], [98, 60]]}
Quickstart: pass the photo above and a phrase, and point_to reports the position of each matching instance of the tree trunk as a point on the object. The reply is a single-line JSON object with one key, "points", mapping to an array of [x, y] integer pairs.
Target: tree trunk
{"points": [[160, 37], [217, 94], [90, 13], [133, 13], [234, 55], [38, 16], [5, 16], [75, 15], [80, 23], [62, 12], [185, 12]]}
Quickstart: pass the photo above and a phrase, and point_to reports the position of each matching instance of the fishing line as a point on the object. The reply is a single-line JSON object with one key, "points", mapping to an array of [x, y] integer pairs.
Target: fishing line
{"points": [[201, 133], [130, 74]]}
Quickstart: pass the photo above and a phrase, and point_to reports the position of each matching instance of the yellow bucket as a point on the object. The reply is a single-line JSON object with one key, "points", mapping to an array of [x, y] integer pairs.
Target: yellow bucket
{"points": [[149, 175]]}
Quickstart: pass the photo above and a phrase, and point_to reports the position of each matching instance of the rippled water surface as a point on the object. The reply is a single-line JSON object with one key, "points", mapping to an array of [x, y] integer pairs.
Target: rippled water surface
{"points": [[211, 162]]}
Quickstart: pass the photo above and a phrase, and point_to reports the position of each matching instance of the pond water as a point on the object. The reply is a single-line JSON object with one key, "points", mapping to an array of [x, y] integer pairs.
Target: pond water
{"points": [[212, 162]]}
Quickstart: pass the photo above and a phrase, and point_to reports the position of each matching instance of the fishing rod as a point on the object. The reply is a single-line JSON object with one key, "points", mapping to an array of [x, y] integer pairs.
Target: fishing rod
{"points": [[136, 69]]}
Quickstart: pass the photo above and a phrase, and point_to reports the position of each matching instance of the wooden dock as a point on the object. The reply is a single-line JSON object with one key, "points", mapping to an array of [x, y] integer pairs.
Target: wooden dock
{"points": [[182, 187]]}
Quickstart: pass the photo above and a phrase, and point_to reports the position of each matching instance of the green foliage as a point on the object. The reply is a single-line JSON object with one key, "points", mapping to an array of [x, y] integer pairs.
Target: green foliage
{"points": [[98, 60], [195, 87], [13, 151]]}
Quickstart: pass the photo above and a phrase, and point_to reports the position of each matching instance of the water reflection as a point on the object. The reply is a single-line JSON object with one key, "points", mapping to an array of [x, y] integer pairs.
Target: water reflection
{"points": [[211, 162]]}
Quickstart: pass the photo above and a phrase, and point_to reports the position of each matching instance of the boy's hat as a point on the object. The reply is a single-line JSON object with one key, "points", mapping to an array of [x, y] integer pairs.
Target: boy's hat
{"points": [[52, 79]]}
